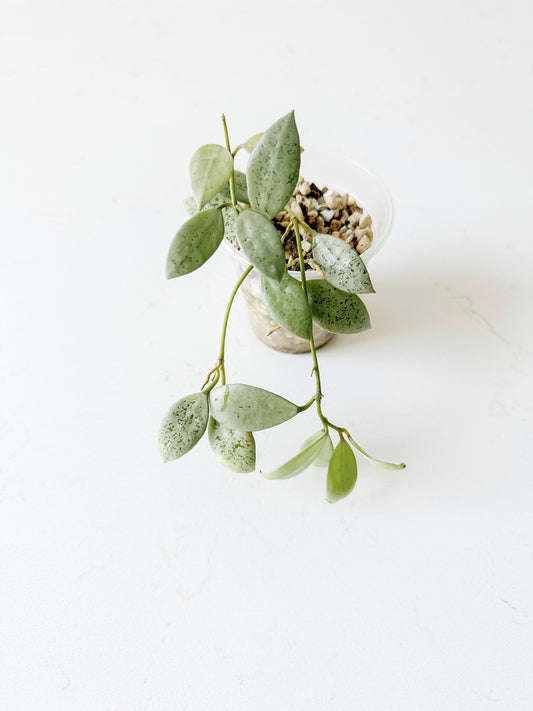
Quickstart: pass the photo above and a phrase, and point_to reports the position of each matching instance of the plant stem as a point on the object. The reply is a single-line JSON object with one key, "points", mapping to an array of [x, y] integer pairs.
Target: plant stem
{"points": [[232, 176], [341, 431], [220, 363], [316, 368]]}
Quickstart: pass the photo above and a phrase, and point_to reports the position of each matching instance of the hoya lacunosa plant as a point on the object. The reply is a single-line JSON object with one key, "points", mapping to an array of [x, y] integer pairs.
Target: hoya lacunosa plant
{"points": [[232, 412]]}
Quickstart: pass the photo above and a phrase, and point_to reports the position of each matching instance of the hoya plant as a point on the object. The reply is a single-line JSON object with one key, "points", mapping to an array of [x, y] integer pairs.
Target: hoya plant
{"points": [[246, 204]]}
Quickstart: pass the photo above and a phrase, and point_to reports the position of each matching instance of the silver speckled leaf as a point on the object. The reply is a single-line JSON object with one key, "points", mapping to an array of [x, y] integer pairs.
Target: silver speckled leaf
{"points": [[234, 449], [245, 407], [288, 305], [261, 243], [274, 166], [341, 264], [183, 426], [241, 188], [195, 241], [335, 310]]}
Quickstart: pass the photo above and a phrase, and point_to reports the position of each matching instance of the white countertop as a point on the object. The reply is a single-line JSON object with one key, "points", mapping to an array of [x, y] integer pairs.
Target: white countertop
{"points": [[129, 585]]}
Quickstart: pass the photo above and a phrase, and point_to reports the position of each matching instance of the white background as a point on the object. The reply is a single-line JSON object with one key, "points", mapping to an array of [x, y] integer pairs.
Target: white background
{"points": [[130, 585]]}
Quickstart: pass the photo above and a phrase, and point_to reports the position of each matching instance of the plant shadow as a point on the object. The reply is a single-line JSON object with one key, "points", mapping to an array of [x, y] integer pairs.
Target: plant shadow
{"points": [[466, 312]]}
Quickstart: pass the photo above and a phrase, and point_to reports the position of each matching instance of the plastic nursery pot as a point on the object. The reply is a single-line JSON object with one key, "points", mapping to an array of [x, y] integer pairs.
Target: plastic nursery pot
{"points": [[340, 173]]}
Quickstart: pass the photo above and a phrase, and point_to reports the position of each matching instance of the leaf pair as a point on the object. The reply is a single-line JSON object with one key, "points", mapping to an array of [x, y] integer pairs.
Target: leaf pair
{"points": [[184, 426], [332, 309], [237, 411], [318, 450]]}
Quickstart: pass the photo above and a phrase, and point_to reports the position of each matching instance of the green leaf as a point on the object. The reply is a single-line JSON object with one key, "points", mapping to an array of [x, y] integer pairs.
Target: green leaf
{"points": [[245, 407], [209, 171], [336, 310], [274, 166], [195, 242], [341, 264], [183, 426], [228, 213], [373, 460], [342, 472], [235, 450], [261, 243], [288, 305], [241, 188], [297, 464], [326, 450], [252, 142]]}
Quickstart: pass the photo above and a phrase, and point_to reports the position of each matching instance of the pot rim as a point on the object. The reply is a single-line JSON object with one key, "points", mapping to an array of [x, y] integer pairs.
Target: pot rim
{"points": [[376, 245]]}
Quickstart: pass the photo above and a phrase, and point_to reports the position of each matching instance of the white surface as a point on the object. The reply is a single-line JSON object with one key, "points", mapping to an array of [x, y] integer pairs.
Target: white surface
{"points": [[130, 585]]}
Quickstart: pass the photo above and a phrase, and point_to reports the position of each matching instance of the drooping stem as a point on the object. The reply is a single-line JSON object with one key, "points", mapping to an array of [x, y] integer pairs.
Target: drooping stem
{"points": [[225, 324], [341, 431], [232, 176], [316, 368]]}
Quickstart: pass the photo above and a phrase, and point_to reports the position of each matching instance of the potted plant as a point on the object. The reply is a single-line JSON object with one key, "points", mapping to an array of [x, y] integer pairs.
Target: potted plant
{"points": [[300, 247]]}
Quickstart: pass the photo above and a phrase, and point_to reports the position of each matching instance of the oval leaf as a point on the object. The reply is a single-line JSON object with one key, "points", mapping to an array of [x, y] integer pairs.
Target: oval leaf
{"points": [[245, 407], [261, 242], [195, 242], [241, 188], [297, 464], [324, 455], [209, 171], [235, 450], [183, 426], [342, 472], [341, 264], [274, 167], [252, 142], [288, 305], [336, 310]]}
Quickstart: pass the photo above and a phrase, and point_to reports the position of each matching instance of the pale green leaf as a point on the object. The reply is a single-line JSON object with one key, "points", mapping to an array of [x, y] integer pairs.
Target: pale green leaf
{"points": [[252, 142], [274, 167], [245, 407], [195, 242], [342, 472], [341, 264], [183, 426], [373, 460], [209, 171], [261, 243], [288, 305], [335, 310], [324, 455], [297, 464], [234, 449], [241, 188]]}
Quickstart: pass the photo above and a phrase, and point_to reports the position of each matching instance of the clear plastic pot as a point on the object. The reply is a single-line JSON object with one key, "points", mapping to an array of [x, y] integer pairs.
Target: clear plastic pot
{"points": [[344, 175]]}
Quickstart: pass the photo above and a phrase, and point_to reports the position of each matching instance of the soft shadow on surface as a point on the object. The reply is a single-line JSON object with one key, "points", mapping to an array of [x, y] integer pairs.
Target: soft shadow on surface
{"points": [[425, 308]]}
